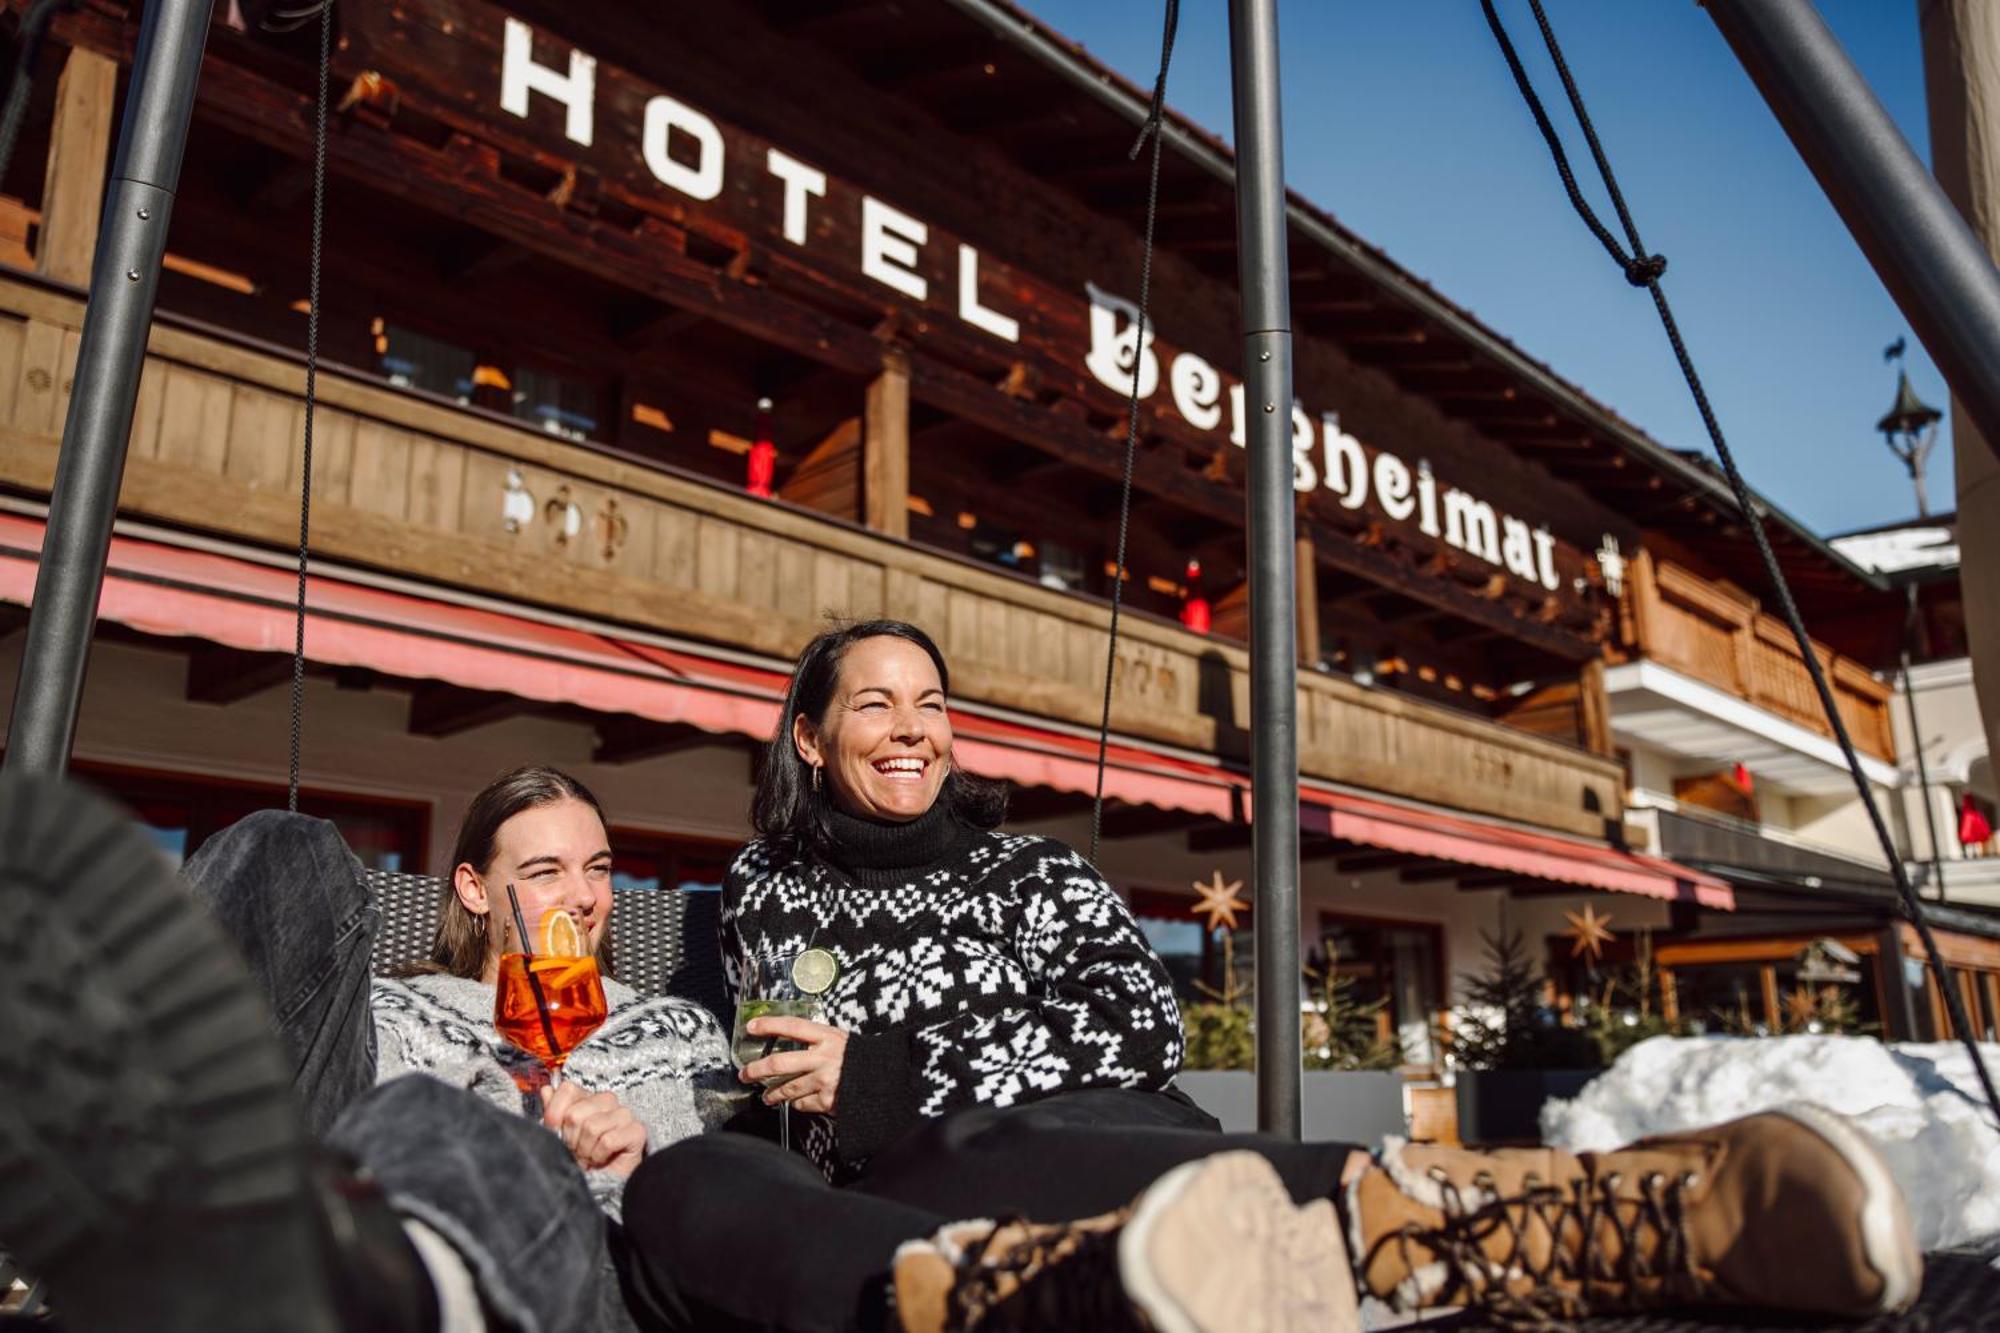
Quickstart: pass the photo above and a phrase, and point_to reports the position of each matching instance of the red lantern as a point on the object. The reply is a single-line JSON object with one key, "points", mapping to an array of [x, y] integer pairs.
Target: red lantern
{"points": [[1974, 828], [763, 458], [1194, 607]]}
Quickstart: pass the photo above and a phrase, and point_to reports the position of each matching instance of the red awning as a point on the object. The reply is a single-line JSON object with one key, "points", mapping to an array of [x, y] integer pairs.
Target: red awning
{"points": [[1545, 856], [177, 592]]}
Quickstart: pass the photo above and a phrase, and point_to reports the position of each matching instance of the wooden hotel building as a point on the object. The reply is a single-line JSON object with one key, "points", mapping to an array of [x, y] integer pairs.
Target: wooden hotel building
{"points": [[653, 335]]}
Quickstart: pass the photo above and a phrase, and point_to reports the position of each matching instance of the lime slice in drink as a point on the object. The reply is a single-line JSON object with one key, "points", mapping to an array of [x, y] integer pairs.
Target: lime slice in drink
{"points": [[814, 970], [561, 937]]}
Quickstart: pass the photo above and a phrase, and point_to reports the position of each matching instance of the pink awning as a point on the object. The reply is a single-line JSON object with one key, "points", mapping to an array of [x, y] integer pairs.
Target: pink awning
{"points": [[176, 592], [1533, 855]]}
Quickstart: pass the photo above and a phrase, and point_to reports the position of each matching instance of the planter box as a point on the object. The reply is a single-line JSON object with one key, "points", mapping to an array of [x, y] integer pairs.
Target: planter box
{"points": [[1360, 1107], [1505, 1105]]}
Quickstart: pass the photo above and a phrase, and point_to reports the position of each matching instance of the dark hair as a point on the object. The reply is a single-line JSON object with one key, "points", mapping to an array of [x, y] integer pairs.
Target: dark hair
{"points": [[787, 808], [459, 946]]}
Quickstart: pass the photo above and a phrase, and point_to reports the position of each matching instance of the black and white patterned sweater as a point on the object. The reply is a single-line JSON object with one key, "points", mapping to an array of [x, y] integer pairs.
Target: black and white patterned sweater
{"points": [[976, 968]]}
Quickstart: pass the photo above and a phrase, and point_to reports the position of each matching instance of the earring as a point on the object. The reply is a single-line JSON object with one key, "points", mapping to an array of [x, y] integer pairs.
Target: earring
{"points": [[815, 778]]}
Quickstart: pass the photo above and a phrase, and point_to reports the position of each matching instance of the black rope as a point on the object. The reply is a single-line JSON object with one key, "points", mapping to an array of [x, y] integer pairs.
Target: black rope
{"points": [[312, 398], [34, 26], [1644, 270], [1149, 130]]}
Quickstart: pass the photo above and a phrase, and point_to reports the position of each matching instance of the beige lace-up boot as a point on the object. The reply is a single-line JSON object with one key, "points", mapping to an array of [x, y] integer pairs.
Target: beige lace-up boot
{"points": [[1214, 1246], [1792, 1209]]}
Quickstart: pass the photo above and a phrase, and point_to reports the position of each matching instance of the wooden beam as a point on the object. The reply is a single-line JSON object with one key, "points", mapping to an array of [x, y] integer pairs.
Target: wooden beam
{"points": [[79, 149], [219, 675], [1138, 821], [480, 260], [1594, 709], [1218, 837], [885, 448], [1306, 599], [439, 710], [626, 740], [1363, 862], [649, 333], [828, 478]]}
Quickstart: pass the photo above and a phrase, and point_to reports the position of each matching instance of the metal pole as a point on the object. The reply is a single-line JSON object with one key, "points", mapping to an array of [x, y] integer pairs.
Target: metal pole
{"points": [[1917, 745], [1934, 267], [1267, 395], [124, 280]]}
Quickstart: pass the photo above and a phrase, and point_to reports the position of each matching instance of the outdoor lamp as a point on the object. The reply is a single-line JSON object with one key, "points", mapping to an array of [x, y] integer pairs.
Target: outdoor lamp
{"points": [[1910, 430]]}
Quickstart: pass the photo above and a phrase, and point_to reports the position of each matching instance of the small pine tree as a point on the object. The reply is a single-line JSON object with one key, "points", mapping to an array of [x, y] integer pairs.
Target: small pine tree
{"points": [[1505, 1025], [1342, 1032], [1220, 1031], [1623, 1013]]}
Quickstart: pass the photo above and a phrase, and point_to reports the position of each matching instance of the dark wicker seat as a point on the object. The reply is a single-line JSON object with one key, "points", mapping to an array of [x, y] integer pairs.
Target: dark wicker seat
{"points": [[665, 938]]}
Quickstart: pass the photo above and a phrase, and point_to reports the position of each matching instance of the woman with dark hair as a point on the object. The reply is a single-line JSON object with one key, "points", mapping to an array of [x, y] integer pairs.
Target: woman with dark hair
{"points": [[1000, 1043]]}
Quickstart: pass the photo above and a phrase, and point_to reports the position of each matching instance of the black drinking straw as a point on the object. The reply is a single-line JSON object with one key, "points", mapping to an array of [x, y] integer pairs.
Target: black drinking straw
{"points": [[534, 982]]}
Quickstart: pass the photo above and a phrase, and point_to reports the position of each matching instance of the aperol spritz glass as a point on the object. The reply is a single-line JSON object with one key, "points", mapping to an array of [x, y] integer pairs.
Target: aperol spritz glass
{"points": [[547, 1003]]}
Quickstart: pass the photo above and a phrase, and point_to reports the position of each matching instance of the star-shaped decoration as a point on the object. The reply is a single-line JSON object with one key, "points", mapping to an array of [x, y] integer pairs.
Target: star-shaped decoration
{"points": [[1801, 1006], [1219, 903], [1590, 932]]}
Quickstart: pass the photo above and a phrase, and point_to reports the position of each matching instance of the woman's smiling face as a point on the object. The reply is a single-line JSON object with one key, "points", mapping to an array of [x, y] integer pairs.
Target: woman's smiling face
{"points": [[884, 746]]}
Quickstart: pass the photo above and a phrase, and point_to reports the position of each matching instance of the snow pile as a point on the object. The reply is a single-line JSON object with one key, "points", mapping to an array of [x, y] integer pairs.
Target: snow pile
{"points": [[1921, 1103]]}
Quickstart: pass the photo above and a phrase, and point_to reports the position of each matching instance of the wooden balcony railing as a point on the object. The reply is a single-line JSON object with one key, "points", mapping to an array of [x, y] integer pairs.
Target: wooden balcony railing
{"points": [[405, 483], [1721, 637]]}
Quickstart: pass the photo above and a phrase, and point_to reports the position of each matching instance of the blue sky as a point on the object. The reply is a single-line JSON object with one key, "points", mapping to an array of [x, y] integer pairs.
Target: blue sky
{"points": [[1401, 120]]}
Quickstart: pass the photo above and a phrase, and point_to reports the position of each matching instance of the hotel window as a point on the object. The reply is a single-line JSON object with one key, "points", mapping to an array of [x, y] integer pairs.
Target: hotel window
{"points": [[1194, 955], [555, 403], [1396, 963], [412, 360], [642, 860], [181, 811]]}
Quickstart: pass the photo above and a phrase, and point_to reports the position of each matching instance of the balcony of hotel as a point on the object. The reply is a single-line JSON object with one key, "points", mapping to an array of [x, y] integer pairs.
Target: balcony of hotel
{"points": [[420, 502], [1714, 682]]}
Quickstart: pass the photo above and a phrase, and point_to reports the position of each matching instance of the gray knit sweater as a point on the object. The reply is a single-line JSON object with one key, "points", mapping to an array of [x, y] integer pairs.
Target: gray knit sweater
{"points": [[666, 1058]]}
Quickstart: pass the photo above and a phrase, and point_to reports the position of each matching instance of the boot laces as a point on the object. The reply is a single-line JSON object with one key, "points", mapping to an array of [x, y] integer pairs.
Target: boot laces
{"points": [[1054, 1277], [1602, 1245]]}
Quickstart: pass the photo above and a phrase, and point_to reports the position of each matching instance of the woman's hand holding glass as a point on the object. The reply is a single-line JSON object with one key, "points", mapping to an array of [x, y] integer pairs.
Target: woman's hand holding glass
{"points": [[811, 1077], [600, 1131]]}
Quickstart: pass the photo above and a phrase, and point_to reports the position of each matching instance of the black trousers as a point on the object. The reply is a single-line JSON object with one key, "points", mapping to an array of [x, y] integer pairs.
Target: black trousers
{"points": [[730, 1232]]}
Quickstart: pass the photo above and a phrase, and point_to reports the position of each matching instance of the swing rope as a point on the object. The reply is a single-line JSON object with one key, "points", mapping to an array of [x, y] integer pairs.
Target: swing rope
{"points": [[1150, 129], [1644, 270], [312, 400]]}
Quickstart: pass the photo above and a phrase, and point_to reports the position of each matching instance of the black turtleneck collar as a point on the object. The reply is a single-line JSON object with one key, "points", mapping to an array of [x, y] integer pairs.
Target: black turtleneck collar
{"points": [[880, 854]]}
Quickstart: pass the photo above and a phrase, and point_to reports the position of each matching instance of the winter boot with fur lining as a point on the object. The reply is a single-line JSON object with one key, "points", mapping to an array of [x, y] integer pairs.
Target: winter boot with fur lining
{"points": [[1792, 1209], [1213, 1246]]}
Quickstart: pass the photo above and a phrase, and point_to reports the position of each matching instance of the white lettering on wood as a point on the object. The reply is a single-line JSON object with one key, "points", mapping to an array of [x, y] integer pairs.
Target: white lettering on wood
{"points": [[969, 309], [889, 241], [801, 182], [664, 115], [520, 75]]}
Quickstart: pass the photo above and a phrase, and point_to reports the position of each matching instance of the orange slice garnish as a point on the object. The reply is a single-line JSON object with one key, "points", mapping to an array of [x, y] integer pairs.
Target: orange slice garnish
{"points": [[561, 936]]}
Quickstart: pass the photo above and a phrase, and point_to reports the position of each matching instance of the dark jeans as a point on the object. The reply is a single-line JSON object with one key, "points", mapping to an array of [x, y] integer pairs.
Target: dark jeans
{"points": [[499, 1187], [730, 1232]]}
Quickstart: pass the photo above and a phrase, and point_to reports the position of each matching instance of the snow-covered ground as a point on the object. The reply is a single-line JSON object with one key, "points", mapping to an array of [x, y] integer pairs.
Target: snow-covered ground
{"points": [[1922, 1104]]}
